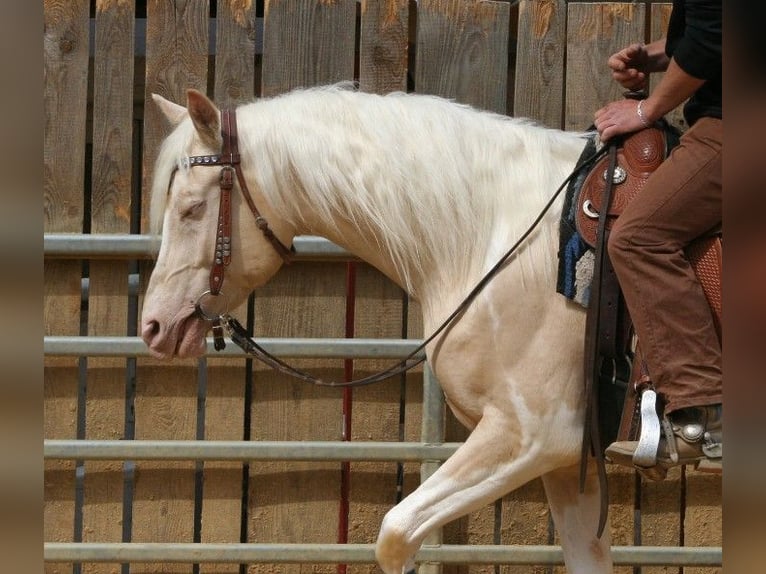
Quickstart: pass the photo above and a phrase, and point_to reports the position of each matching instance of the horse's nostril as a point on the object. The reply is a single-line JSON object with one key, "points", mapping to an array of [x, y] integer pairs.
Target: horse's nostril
{"points": [[150, 330]]}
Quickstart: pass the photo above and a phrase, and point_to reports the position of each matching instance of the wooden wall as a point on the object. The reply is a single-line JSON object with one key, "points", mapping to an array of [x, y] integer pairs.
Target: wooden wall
{"points": [[543, 59]]}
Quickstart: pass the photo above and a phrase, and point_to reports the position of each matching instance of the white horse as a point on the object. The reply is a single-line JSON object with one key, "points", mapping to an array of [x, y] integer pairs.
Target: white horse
{"points": [[432, 193]]}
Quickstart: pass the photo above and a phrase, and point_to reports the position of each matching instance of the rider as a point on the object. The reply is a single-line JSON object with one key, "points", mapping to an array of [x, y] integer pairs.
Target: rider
{"points": [[681, 200]]}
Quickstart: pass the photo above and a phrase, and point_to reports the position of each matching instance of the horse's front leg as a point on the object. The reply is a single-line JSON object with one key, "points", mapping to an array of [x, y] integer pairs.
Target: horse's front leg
{"points": [[493, 460]]}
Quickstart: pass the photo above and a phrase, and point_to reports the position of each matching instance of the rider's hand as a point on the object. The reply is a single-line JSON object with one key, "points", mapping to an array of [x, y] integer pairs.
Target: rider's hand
{"points": [[629, 67], [621, 117]]}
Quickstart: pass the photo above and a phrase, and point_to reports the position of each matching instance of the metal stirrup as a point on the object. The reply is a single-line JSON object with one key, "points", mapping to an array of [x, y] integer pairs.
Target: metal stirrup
{"points": [[649, 441]]}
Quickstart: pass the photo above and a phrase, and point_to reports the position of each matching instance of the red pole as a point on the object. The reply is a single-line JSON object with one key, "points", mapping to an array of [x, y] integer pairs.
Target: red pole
{"points": [[348, 372]]}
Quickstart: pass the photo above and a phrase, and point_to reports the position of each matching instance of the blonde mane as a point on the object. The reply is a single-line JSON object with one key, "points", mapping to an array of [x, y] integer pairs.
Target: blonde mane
{"points": [[425, 178]]}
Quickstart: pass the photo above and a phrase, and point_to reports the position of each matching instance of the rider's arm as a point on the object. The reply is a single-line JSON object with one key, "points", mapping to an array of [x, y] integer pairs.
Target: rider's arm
{"points": [[675, 87]]}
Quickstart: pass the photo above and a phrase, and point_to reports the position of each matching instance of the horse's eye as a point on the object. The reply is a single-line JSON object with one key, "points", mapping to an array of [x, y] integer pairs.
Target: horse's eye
{"points": [[193, 211]]}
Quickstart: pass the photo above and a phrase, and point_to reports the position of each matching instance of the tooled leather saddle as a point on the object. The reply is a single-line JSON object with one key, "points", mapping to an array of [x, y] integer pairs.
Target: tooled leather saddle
{"points": [[614, 370]]}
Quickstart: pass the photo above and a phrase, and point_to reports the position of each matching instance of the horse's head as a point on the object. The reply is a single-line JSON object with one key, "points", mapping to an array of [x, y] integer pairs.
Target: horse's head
{"points": [[185, 209]]}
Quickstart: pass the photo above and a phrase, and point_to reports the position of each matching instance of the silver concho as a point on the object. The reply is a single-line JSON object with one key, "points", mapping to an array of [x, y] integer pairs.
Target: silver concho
{"points": [[619, 176]]}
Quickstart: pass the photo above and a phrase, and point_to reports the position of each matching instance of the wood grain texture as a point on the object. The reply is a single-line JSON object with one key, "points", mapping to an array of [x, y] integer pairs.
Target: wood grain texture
{"points": [[65, 44], [163, 500], [375, 413], [595, 32], [307, 43], [108, 291], [166, 403], [383, 46], [227, 378], [176, 59], [65, 69], [541, 46], [235, 52], [303, 300], [462, 51]]}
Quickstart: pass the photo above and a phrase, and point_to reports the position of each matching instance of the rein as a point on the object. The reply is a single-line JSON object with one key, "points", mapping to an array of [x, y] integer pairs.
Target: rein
{"points": [[230, 161]]}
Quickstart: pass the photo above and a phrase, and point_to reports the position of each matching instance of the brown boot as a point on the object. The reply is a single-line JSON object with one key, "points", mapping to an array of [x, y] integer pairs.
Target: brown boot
{"points": [[697, 438]]}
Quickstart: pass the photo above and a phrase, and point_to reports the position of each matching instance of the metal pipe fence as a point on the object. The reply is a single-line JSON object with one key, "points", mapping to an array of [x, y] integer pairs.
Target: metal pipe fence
{"points": [[430, 452], [361, 553]]}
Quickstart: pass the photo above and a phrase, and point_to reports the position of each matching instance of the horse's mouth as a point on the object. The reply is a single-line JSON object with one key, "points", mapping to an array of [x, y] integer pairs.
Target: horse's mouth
{"points": [[185, 338], [191, 337]]}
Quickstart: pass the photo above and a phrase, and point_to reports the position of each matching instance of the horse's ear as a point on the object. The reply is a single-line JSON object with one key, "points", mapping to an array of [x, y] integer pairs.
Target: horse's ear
{"points": [[205, 116], [172, 111]]}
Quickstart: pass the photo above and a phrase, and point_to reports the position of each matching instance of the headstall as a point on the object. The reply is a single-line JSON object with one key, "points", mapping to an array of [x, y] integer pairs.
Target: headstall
{"points": [[230, 163]]}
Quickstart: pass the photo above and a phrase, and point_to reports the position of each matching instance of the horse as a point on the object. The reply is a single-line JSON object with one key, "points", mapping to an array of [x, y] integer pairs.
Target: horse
{"points": [[432, 193]]}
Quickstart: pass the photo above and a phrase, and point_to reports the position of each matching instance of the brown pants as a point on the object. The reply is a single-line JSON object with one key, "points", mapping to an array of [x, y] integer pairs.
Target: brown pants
{"points": [[681, 201]]}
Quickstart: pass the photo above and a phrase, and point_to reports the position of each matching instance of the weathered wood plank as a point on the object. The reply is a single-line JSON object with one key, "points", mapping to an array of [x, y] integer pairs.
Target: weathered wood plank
{"points": [[223, 489], [595, 32], [375, 408], [166, 403], [61, 315], [541, 46], [65, 71], [226, 378], [462, 51], [176, 59], [164, 492], [65, 43], [235, 52], [303, 300], [307, 43], [383, 46], [108, 292]]}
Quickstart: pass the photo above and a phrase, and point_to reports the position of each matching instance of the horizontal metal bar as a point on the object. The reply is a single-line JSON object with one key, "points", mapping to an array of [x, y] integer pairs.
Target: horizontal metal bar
{"points": [[130, 246], [121, 552], [304, 348], [70, 449]]}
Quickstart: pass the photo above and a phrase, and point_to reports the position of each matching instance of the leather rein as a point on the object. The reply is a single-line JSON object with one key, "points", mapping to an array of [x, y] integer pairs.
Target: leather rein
{"points": [[229, 160]]}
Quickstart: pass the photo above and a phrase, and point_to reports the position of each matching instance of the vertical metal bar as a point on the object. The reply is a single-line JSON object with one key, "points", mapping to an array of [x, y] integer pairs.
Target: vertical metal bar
{"points": [[348, 373], [432, 431]]}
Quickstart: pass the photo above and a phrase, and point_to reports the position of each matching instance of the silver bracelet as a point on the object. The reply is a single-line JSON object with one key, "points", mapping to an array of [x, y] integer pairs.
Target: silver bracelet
{"points": [[640, 113]]}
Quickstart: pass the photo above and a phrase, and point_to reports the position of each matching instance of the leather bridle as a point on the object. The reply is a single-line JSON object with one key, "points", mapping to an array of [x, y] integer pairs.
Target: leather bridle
{"points": [[230, 163]]}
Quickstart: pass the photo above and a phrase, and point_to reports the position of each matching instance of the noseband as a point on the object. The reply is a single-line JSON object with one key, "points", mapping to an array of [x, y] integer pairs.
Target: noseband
{"points": [[229, 161]]}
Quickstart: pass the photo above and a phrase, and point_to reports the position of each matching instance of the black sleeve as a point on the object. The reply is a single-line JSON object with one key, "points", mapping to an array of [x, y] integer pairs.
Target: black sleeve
{"points": [[698, 52]]}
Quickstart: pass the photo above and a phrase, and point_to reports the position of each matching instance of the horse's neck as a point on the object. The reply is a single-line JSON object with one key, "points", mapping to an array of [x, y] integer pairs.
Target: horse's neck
{"points": [[415, 208]]}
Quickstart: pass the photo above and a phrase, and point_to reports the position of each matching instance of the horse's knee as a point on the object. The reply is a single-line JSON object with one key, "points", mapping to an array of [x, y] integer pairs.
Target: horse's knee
{"points": [[395, 549]]}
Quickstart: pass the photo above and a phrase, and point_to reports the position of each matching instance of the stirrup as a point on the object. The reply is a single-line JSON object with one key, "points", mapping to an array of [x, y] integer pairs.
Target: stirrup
{"points": [[645, 455]]}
